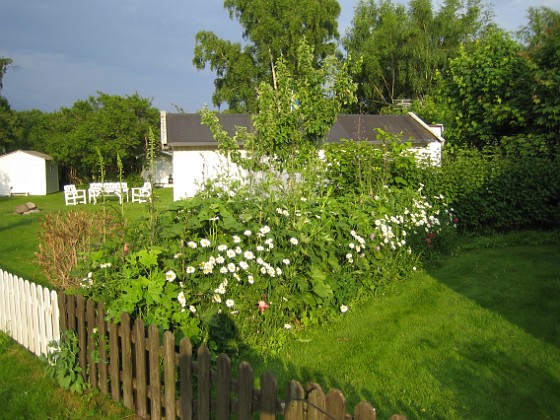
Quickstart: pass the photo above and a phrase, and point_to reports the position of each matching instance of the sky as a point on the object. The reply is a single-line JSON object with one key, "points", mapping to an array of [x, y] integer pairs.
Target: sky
{"points": [[68, 50]]}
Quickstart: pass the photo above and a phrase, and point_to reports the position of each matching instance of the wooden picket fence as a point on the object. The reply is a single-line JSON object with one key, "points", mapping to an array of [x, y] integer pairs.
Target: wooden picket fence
{"points": [[150, 374], [28, 313]]}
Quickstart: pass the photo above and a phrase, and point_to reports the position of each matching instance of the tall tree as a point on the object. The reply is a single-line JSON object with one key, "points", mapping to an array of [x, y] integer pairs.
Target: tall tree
{"points": [[9, 125], [4, 63], [488, 88], [271, 30], [294, 113], [405, 47], [110, 124], [542, 37]]}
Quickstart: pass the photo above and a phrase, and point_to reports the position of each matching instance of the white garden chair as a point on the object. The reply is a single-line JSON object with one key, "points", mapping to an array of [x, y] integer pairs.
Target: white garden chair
{"points": [[142, 194], [72, 196]]}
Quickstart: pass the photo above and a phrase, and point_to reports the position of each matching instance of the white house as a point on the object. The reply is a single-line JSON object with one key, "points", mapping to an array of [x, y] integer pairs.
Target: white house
{"points": [[196, 157], [28, 172]]}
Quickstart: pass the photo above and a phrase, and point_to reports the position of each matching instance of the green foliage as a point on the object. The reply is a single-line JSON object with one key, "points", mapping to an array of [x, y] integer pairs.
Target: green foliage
{"points": [[112, 124], [271, 31], [63, 363], [359, 167], [404, 47], [4, 64], [493, 189], [543, 51], [229, 263], [295, 114], [10, 130], [488, 88]]}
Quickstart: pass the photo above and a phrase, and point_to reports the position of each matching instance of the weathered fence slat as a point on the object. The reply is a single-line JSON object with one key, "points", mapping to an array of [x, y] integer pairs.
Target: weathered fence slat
{"points": [[155, 380], [114, 361], [204, 383], [103, 357], [186, 380], [268, 396], [82, 333], [169, 374], [126, 355], [365, 411], [336, 404], [223, 386], [244, 391], [140, 376], [92, 344], [295, 401], [317, 402]]}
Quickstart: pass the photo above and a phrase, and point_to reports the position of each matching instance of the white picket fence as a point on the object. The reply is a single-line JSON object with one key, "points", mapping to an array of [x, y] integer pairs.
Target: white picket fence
{"points": [[28, 313]]}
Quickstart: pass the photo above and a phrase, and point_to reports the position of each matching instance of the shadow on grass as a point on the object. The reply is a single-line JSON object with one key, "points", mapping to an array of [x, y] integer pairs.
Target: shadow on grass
{"points": [[520, 283]]}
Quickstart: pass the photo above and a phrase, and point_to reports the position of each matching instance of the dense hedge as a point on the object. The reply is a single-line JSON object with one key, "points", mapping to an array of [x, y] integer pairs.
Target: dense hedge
{"points": [[500, 190]]}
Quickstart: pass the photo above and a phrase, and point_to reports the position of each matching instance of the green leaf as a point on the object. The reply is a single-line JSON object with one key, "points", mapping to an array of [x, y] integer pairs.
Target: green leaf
{"points": [[148, 258], [322, 289]]}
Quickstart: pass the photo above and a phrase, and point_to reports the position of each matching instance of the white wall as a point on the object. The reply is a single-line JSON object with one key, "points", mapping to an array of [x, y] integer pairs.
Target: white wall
{"points": [[192, 166], [430, 154], [22, 172]]}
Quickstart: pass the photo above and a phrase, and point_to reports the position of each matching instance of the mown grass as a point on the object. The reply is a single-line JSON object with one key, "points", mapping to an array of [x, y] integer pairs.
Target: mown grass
{"points": [[19, 232], [474, 336], [26, 392]]}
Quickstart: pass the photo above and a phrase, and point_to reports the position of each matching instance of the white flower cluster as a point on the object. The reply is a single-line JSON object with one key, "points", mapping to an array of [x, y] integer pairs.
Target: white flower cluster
{"points": [[233, 260]]}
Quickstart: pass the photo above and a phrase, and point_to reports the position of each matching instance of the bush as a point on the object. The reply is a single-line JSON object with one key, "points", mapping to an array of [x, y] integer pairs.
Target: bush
{"points": [[67, 238], [259, 261], [495, 189]]}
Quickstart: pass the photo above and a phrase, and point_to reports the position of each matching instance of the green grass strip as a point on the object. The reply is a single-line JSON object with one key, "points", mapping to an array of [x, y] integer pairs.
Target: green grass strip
{"points": [[477, 337]]}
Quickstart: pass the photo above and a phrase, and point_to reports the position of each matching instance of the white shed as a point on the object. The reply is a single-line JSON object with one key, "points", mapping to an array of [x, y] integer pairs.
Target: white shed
{"points": [[28, 172]]}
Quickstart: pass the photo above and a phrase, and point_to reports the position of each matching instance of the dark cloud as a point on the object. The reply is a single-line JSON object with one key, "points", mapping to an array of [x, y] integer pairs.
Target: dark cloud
{"points": [[65, 51]]}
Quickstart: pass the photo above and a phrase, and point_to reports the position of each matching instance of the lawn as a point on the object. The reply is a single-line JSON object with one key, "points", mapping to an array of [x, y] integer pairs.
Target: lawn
{"points": [[19, 232], [474, 336]]}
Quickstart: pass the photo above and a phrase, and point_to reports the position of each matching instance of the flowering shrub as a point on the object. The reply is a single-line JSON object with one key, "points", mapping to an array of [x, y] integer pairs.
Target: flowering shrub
{"points": [[269, 264]]}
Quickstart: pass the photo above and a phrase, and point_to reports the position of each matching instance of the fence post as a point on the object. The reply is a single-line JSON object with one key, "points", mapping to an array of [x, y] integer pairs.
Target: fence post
{"points": [[82, 334], [114, 361], [140, 348], [268, 397], [336, 404], [126, 351], [155, 380], [317, 402], [103, 340], [245, 391], [169, 374], [63, 314], [91, 346], [295, 401], [365, 411], [204, 384], [186, 380], [223, 385]]}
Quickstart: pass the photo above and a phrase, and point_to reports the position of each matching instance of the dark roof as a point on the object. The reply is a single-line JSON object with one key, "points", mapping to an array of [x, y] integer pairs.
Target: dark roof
{"points": [[187, 130], [32, 153]]}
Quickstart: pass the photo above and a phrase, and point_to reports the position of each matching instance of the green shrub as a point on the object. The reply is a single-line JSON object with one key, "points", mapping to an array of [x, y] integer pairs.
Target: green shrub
{"points": [[236, 263], [515, 188]]}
